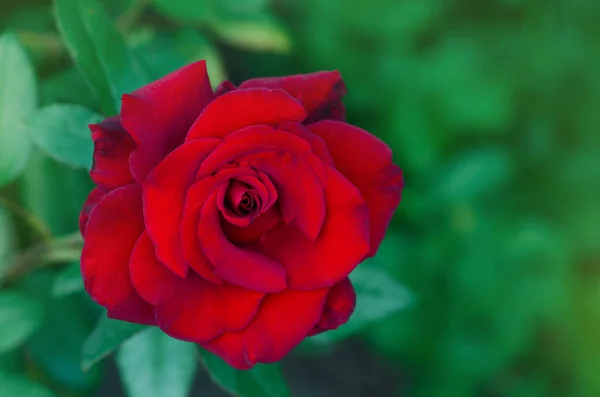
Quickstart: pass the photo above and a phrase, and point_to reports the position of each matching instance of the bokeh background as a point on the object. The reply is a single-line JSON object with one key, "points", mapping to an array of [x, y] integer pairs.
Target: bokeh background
{"points": [[488, 283]]}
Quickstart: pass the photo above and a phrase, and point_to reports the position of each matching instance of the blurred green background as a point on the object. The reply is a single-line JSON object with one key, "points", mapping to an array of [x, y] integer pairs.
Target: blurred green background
{"points": [[492, 108]]}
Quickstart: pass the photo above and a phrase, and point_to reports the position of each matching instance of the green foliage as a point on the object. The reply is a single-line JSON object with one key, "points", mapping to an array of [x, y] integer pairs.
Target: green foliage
{"points": [[99, 52], [12, 385], [153, 364], [108, 335], [262, 380], [68, 280], [21, 317], [62, 132], [18, 99]]}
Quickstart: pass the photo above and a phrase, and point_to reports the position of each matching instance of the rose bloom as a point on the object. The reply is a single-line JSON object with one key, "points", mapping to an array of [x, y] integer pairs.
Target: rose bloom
{"points": [[232, 219]]}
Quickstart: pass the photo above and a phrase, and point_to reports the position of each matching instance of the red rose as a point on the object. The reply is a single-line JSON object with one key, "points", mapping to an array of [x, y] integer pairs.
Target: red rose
{"points": [[232, 219]]}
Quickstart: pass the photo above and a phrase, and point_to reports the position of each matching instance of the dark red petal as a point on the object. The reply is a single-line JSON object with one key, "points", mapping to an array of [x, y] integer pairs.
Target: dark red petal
{"points": [[320, 93], [151, 279], [235, 265], [339, 306], [164, 197], [224, 87], [159, 115], [367, 163], [93, 198], [342, 244], [197, 196], [311, 216], [253, 140], [282, 322], [112, 231], [318, 145], [193, 309], [112, 147], [242, 108], [257, 227]]}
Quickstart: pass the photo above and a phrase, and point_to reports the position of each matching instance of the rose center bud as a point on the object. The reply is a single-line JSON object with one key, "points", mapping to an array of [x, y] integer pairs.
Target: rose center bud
{"points": [[242, 199]]}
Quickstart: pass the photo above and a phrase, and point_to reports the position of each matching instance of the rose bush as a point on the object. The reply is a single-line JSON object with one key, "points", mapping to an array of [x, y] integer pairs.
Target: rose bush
{"points": [[233, 218]]}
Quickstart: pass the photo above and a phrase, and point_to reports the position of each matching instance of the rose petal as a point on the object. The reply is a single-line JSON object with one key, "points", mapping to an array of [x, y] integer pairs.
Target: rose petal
{"points": [[320, 93], [251, 141], [367, 163], [282, 322], [196, 197], [164, 197], [94, 198], [318, 145], [242, 108], [112, 231], [158, 116], [341, 245], [236, 265], [193, 309], [112, 147], [255, 229], [224, 87], [338, 308]]}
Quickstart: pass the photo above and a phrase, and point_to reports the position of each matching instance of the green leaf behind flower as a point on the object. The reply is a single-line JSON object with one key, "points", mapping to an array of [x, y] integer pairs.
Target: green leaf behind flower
{"points": [[261, 381], [18, 99], [99, 51], [108, 335], [20, 316], [152, 364], [62, 132]]}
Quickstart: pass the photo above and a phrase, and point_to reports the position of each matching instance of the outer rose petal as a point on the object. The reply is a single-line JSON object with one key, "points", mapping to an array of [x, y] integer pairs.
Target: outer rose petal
{"points": [[112, 231], [193, 309], [94, 198], [367, 163], [239, 266], [342, 244], [282, 322], [224, 87], [242, 108], [320, 93], [339, 306], [159, 115], [112, 147], [164, 197]]}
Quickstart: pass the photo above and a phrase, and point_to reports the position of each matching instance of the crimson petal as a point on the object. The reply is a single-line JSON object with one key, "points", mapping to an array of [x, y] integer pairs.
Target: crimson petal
{"points": [[235, 265], [112, 147], [320, 93], [193, 309], [367, 163], [93, 198], [242, 108], [339, 306], [112, 231], [164, 197], [283, 321], [159, 115], [341, 245]]}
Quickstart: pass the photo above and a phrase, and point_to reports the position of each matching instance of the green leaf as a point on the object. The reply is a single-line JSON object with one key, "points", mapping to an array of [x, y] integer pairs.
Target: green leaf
{"points": [[108, 335], [18, 99], [378, 296], [474, 173], [153, 364], [184, 10], [56, 348], [62, 132], [7, 240], [260, 381], [99, 51], [20, 316], [52, 89], [68, 281], [12, 385], [262, 35], [54, 192]]}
